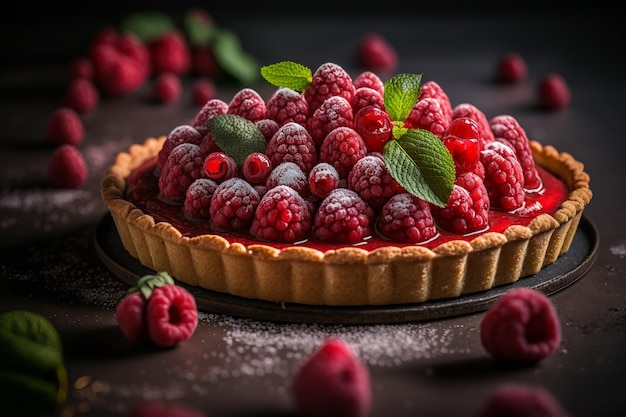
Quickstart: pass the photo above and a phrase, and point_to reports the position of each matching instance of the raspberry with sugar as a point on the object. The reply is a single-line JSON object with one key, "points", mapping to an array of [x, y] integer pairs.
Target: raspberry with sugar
{"points": [[233, 205], [406, 218], [290, 174], [287, 105], [376, 53], [504, 178], [371, 80], [343, 217], [180, 134], [474, 113], [334, 112], [554, 92], [460, 215], [183, 165], [198, 198], [365, 96], [430, 89], [371, 181], [210, 109], [292, 143], [81, 95], [248, 104], [522, 327], [341, 148], [166, 88], [268, 127], [329, 79], [427, 114], [516, 400], [67, 167], [333, 382], [65, 127], [323, 178], [282, 216]]}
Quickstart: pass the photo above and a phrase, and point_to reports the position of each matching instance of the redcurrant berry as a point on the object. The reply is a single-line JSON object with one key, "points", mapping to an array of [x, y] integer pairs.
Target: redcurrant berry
{"points": [[374, 125], [256, 168], [219, 167]]}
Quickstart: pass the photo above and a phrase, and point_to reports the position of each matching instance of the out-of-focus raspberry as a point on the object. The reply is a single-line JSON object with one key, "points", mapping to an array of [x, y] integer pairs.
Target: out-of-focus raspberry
{"points": [[67, 167], [65, 127], [511, 68], [81, 95], [334, 112], [287, 105], [170, 53], [248, 104], [203, 90], [375, 53], [203, 62], [81, 67], [554, 92], [516, 400], [328, 80], [167, 88]]}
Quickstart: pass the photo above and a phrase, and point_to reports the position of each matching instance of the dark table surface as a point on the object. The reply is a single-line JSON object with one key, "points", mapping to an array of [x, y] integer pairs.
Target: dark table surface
{"points": [[239, 366]]}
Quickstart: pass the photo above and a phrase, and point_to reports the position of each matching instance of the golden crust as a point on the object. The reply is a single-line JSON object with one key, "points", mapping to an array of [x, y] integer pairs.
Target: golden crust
{"points": [[348, 276]]}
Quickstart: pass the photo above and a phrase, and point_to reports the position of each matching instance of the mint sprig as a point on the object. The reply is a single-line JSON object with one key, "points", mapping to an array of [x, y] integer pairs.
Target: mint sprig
{"points": [[288, 74], [400, 95]]}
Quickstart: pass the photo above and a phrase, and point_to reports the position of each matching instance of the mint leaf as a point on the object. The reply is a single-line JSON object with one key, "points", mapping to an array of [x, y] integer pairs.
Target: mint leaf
{"points": [[236, 136], [148, 26], [288, 74], [401, 94], [232, 59], [422, 164]]}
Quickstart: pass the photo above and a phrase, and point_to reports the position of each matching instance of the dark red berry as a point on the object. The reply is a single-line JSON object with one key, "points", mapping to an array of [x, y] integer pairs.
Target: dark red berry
{"points": [[461, 139], [323, 178], [514, 400], [219, 167], [511, 68], [554, 92], [256, 168], [67, 167], [203, 91], [375, 127], [65, 127], [166, 88], [376, 53], [81, 95]]}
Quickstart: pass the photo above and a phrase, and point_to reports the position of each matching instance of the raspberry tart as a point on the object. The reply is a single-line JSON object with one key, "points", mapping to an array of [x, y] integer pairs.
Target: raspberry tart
{"points": [[345, 192]]}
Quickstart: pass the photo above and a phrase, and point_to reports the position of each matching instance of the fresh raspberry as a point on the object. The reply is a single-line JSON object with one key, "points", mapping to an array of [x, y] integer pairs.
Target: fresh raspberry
{"points": [[374, 125], [268, 127], [167, 88], [81, 95], [65, 127], [343, 217], [203, 62], [208, 145], [154, 408], [233, 205], [334, 112], [521, 327], [461, 139], [180, 134], [504, 178], [282, 216], [256, 168], [170, 53], [406, 218], [427, 114], [220, 166], [203, 90], [184, 164], [287, 105], [333, 382], [371, 80], [371, 181], [290, 174], [158, 311], [364, 97], [341, 148], [323, 178], [67, 167], [474, 113], [430, 89], [511, 68], [462, 214], [81, 67], [248, 104], [128, 44], [554, 92], [210, 109], [328, 80], [514, 400], [506, 128], [375, 53], [474, 184], [292, 143], [198, 198]]}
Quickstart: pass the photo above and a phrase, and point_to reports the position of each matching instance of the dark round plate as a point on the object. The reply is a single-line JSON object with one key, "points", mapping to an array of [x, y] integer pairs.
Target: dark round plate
{"points": [[563, 272]]}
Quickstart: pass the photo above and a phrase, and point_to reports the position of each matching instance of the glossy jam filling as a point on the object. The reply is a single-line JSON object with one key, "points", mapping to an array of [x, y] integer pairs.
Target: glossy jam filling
{"points": [[142, 190]]}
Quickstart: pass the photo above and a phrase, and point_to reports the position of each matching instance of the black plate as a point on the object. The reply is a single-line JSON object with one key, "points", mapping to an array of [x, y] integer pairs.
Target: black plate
{"points": [[566, 270]]}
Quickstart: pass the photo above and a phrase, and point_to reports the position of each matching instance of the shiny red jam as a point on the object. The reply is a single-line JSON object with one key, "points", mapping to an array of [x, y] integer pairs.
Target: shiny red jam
{"points": [[142, 190]]}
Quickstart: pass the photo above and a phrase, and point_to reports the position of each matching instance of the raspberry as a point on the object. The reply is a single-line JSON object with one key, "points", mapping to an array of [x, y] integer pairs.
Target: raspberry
{"points": [[268, 127], [554, 92], [504, 178], [65, 127], [365, 96], [290, 174], [233, 205], [474, 184], [341, 148], [521, 327], [81, 95], [511, 68], [184, 164], [375, 127], [406, 218], [157, 310], [203, 90], [343, 217], [198, 198], [180, 134], [370, 80], [210, 109], [376, 53], [282, 216], [287, 105], [462, 214], [427, 114], [328, 80], [461, 139], [170, 53], [515, 400], [474, 113], [81, 67], [430, 89], [203, 62], [323, 178], [332, 382], [292, 143], [67, 167], [155, 408], [122, 77], [219, 167], [166, 88], [256, 168], [506, 129], [248, 104], [371, 181], [334, 112]]}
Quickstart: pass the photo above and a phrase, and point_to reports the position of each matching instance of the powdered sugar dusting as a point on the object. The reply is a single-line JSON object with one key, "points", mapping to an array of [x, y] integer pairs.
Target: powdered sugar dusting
{"points": [[619, 250]]}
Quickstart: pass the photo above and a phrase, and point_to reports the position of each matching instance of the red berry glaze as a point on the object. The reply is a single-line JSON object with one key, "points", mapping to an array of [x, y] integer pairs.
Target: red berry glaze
{"points": [[375, 127]]}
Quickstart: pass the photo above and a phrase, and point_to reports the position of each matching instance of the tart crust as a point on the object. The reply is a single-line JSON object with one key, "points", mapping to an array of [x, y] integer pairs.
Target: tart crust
{"points": [[348, 276]]}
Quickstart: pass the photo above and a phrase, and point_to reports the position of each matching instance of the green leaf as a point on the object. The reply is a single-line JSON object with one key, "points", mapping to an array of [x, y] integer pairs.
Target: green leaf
{"points": [[236, 136], [288, 74], [232, 59], [401, 94], [198, 29], [422, 164], [148, 26]]}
